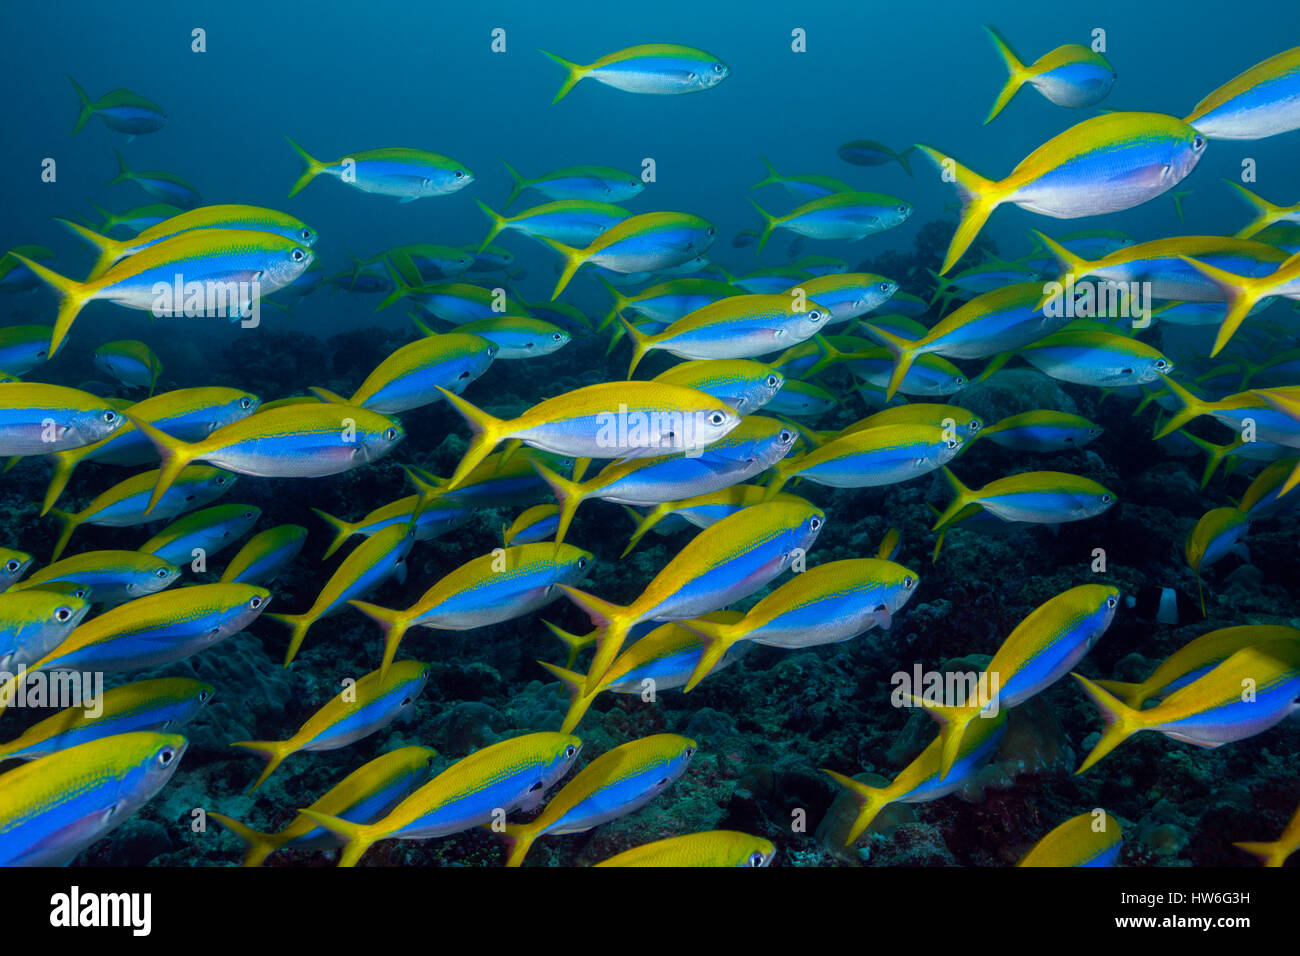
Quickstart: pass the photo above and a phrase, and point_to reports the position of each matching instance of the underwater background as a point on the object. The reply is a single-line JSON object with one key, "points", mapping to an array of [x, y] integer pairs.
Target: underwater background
{"points": [[337, 76]]}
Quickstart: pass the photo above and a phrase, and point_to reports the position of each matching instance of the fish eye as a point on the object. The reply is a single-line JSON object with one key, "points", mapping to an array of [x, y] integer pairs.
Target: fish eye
{"points": [[492, 350], [908, 583], [884, 286], [110, 416], [390, 433], [717, 418], [815, 315], [975, 425], [166, 756], [297, 255], [815, 523], [1198, 142], [63, 614], [960, 381], [771, 381], [902, 208], [785, 436], [306, 235], [690, 751], [429, 762], [1111, 601], [222, 479], [161, 573], [256, 602], [558, 337], [1105, 499], [245, 403], [203, 696], [11, 566], [460, 174], [582, 562], [755, 859], [951, 443], [570, 751], [1160, 364]]}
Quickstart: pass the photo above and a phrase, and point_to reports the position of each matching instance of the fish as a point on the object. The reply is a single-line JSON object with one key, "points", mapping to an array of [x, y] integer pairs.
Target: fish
{"points": [[157, 705], [207, 531], [705, 509], [1099, 359], [512, 773], [1094, 838], [130, 502], [366, 794], [23, 347], [615, 784], [379, 557], [53, 808], [1261, 102], [710, 848], [1263, 499], [265, 555], [1072, 75], [743, 384], [362, 708], [410, 376], [648, 242], [752, 447], [121, 111], [519, 336], [804, 188], [295, 441], [1043, 430], [1276, 852], [129, 361], [608, 420], [659, 68], [231, 268], [725, 562], [921, 781], [110, 576], [848, 295], [1194, 659], [799, 399], [1038, 652], [1219, 532], [136, 219], [161, 185], [499, 586], [1105, 164], [1266, 213], [13, 565], [1243, 293], [871, 457], [665, 302], [538, 523], [454, 302], [152, 631], [407, 174], [740, 326], [34, 622], [46, 419], [844, 215], [1246, 694], [572, 222], [186, 413], [584, 183], [827, 604], [867, 152]]}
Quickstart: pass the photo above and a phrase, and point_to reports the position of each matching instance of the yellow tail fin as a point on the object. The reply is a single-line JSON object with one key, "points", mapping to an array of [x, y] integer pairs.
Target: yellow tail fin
{"points": [[1242, 292], [298, 625], [769, 224], [641, 344], [312, 168], [1122, 721], [498, 223], [871, 801], [260, 845], [579, 702], [488, 433], [394, 624], [175, 455], [568, 495], [108, 250], [342, 531], [979, 197], [273, 750], [1270, 854], [716, 639], [576, 73], [1015, 68], [87, 106], [1265, 211], [73, 295], [612, 624], [573, 259], [357, 837]]}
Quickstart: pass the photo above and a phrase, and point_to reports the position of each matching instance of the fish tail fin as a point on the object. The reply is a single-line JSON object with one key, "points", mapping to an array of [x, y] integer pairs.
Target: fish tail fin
{"points": [[123, 171], [1193, 407], [962, 498], [773, 178], [641, 344], [68, 523], [769, 223], [298, 625], [488, 432], [1242, 292], [358, 837], [175, 455], [619, 303], [644, 524], [579, 701], [1270, 854], [953, 721], [259, 845], [573, 642], [401, 288], [905, 353], [517, 185], [518, 839], [573, 259], [1130, 694], [1177, 196], [1015, 69], [1068, 263], [393, 623], [1214, 454], [1265, 211], [979, 197], [905, 162], [342, 531], [568, 495], [576, 73], [716, 639], [312, 167], [108, 250], [87, 106], [498, 223], [871, 800], [73, 295], [612, 625], [65, 462], [273, 750], [1122, 721]]}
